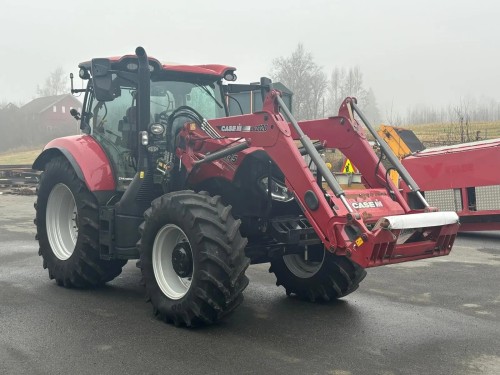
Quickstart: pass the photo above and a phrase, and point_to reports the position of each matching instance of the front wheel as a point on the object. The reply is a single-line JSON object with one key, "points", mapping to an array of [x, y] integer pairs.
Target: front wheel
{"points": [[321, 277], [67, 222], [192, 258]]}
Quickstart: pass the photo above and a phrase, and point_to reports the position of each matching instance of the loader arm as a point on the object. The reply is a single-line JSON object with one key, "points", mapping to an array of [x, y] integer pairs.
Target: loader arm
{"points": [[338, 225]]}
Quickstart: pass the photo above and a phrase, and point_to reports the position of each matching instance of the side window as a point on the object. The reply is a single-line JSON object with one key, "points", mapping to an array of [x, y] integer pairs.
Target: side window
{"points": [[106, 116], [113, 125]]}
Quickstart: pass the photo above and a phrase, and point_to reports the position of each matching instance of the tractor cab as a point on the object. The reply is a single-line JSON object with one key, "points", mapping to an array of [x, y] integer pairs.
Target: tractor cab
{"points": [[111, 105]]}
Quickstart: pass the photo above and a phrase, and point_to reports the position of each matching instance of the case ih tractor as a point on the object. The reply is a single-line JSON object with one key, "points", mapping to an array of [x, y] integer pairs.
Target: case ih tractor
{"points": [[162, 174]]}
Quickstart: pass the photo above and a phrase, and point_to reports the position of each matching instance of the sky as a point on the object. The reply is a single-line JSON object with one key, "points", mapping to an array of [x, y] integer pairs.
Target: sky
{"points": [[410, 52]]}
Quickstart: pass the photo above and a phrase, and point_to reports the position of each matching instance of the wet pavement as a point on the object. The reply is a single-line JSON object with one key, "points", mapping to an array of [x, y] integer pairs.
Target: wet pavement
{"points": [[439, 316]]}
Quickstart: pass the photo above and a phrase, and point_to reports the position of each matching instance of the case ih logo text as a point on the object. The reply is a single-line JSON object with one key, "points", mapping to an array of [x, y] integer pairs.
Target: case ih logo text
{"points": [[368, 204], [241, 128]]}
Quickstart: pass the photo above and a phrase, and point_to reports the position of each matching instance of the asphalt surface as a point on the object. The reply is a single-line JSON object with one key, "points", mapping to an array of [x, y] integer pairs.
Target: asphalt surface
{"points": [[439, 316]]}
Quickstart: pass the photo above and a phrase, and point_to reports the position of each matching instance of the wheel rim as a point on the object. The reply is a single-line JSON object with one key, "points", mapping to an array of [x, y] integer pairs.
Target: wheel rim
{"points": [[171, 284], [300, 267], [62, 221]]}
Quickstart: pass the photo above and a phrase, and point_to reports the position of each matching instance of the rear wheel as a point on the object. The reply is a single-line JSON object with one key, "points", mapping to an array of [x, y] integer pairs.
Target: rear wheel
{"points": [[192, 258], [321, 278], [67, 220]]}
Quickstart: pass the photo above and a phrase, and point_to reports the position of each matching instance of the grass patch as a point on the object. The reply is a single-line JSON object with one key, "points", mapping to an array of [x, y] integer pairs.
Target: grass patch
{"points": [[446, 132], [19, 157]]}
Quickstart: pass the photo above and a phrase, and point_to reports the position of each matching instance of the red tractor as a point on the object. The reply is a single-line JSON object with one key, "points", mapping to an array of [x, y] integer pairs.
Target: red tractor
{"points": [[163, 174]]}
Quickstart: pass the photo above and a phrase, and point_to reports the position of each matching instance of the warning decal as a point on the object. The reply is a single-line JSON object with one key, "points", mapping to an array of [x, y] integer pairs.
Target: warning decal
{"points": [[348, 167]]}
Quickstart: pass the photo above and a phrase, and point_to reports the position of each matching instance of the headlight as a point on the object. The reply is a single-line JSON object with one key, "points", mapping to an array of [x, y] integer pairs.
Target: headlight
{"points": [[157, 129], [279, 192]]}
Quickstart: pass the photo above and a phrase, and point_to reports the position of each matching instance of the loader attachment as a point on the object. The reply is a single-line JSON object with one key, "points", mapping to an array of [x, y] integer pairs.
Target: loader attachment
{"points": [[408, 235], [372, 225], [402, 238]]}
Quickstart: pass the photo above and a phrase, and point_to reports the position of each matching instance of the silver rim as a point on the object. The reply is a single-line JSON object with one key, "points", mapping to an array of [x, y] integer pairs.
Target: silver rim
{"points": [[171, 284], [300, 267], [61, 221]]}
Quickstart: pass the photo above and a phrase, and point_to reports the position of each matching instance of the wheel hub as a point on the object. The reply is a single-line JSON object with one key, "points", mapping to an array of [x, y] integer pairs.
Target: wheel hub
{"points": [[182, 260], [62, 221], [173, 261], [304, 268]]}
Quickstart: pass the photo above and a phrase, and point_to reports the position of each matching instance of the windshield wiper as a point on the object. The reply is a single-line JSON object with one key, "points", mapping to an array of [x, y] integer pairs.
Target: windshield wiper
{"points": [[210, 94]]}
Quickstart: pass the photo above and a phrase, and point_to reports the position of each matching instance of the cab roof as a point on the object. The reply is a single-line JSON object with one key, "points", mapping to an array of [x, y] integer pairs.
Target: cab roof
{"points": [[209, 70]]}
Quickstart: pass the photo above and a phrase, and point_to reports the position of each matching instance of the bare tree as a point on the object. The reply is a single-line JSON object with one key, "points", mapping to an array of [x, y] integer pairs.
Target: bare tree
{"points": [[350, 83], [393, 118], [305, 79], [336, 89], [461, 116], [370, 107], [55, 84], [353, 84]]}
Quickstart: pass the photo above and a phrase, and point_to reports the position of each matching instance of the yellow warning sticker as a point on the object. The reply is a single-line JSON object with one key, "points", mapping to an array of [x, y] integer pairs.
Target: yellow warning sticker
{"points": [[359, 241], [348, 167], [141, 174]]}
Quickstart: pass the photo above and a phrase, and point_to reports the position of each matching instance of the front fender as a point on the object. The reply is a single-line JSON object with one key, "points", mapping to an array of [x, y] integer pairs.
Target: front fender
{"points": [[86, 157]]}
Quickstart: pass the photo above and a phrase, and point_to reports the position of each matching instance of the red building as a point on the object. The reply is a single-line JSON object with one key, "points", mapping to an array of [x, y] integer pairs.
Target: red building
{"points": [[51, 114]]}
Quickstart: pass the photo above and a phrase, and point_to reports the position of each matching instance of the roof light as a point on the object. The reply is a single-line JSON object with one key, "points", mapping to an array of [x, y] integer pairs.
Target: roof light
{"points": [[230, 76], [83, 73], [132, 66]]}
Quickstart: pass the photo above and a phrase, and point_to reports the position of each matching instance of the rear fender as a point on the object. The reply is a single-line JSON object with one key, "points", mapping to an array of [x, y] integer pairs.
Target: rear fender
{"points": [[86, 157]]}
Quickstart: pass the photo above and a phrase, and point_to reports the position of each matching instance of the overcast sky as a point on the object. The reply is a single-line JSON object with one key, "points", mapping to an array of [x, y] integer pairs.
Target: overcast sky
{"points": [[410, 52]]}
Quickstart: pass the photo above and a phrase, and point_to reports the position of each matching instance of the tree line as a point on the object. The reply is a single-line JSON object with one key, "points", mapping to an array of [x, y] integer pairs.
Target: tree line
{"points": [[317, 94], [469, 109]]}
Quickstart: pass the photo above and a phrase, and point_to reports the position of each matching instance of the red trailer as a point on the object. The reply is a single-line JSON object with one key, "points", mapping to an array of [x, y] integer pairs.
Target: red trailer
{"points": [[464, 178]]}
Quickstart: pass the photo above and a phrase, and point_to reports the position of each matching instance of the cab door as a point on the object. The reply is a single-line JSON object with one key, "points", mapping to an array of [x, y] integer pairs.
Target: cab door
{"points": [[114, 125]]}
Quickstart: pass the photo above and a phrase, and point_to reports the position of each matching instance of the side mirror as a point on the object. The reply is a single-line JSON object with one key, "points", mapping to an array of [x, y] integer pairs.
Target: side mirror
{"points": [[102, 80], [75, 113]]}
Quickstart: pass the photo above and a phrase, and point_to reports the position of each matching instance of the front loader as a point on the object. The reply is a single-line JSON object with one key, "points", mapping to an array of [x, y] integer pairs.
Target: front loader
{"points": [[163, 174]]}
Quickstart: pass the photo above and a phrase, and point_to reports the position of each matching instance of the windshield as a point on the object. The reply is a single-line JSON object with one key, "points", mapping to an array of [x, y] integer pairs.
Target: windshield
{"points": [[169, 95], [114, 123]]}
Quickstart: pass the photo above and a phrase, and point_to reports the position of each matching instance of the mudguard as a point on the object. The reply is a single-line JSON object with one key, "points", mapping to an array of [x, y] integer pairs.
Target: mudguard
{"points": [[87, 158]]}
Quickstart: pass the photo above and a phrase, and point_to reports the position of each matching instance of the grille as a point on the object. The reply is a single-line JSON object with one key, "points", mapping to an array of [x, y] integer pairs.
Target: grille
{"points": [[445, 200], [488, 197]]}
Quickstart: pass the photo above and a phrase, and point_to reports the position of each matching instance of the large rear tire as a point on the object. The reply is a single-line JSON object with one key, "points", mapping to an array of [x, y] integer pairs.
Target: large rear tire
{"points": [[327, 278], [192, 258], [67, 222]]}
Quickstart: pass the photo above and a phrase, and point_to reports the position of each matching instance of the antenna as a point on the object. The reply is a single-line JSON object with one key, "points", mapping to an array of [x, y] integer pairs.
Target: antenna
{"points": [[71, 79]]}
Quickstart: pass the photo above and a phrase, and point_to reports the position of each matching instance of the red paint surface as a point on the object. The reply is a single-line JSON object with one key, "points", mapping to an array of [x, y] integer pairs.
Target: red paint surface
{"points": [[459, 167], [454, 167], [90, 157]]}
